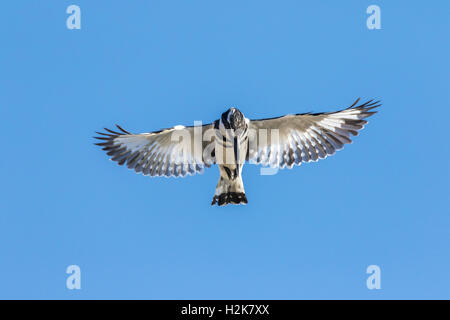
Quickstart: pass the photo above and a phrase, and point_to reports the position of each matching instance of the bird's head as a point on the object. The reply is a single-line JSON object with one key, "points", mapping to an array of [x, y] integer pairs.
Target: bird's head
{"points": [[234, 118]]}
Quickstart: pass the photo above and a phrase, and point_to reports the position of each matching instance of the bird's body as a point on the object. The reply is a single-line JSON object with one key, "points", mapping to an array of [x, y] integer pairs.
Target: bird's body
{"points": [[231, 145], [231, 141]]}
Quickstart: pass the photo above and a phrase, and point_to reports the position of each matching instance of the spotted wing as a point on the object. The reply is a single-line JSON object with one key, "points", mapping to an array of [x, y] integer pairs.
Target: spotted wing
{"points": [[168, 152], [305, 137]]}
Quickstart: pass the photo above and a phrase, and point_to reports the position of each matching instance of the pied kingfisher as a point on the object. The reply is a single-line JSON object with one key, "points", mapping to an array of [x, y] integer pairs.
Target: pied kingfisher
{"points": [[233, 139]]}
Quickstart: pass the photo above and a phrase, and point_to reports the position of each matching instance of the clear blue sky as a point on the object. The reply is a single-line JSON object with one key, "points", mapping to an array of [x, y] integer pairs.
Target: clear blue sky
{"points": [[307, 233]]}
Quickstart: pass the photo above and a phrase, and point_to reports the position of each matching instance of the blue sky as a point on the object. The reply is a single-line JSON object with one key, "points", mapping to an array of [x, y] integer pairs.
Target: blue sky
{"points": [[307, 233]]}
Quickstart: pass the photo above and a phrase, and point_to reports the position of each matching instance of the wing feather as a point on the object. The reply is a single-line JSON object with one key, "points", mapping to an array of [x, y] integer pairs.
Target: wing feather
{"points": [[306, 137], [156, 153]]}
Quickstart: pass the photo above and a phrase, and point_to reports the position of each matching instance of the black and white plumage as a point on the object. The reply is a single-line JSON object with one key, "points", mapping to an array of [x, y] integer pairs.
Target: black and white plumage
{"points": [[233, 139]]}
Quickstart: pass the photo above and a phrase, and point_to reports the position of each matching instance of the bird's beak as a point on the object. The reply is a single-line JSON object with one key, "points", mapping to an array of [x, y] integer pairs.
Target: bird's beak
{"points": [[236, 154]]}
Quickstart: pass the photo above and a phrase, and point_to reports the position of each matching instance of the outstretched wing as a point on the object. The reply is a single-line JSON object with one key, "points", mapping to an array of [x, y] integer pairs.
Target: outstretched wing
{"points": [[305, 137], [168, 152]]}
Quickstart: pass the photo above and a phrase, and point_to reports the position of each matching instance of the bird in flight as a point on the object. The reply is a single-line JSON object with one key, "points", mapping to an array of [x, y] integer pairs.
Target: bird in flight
{"points": [[232, 140]]}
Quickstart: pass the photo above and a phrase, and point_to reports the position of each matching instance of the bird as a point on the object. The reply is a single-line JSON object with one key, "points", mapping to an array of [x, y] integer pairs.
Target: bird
{"points": [[232, 140]]}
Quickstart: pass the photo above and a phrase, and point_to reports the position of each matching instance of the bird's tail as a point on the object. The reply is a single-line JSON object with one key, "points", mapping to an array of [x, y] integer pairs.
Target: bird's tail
{"points": [[229, 191]]}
